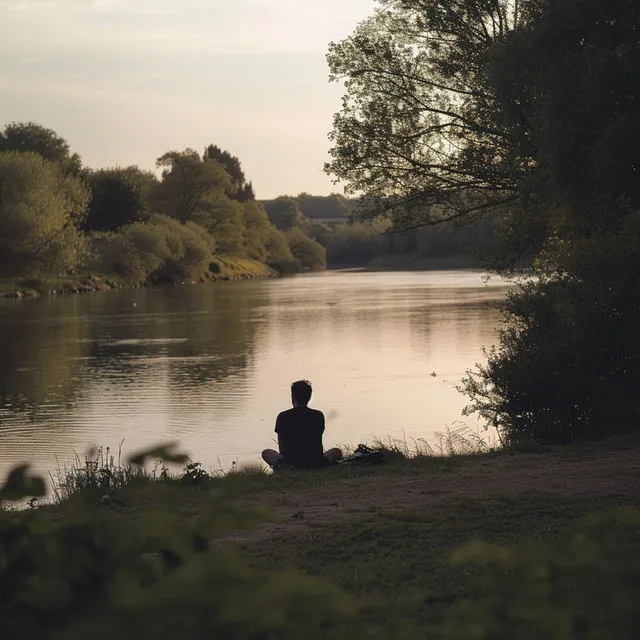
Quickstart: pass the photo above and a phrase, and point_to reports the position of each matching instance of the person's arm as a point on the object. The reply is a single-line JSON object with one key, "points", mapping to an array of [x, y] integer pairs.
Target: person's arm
{"points": [[279, 434]]}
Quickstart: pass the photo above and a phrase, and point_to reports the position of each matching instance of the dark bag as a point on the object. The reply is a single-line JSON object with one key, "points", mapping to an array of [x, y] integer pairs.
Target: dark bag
{"points": [[365, 455]]}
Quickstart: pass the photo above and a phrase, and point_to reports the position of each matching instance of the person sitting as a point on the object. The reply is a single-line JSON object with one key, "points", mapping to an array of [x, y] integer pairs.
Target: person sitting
{"points": [[300, 435]]}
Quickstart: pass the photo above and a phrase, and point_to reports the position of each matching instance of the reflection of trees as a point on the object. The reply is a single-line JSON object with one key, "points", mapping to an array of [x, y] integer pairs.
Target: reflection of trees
{"points": [[40, 352], [188, 341]]}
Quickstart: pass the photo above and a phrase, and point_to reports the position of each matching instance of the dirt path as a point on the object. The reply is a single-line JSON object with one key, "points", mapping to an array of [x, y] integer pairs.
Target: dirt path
{"points": [[600, 473]]}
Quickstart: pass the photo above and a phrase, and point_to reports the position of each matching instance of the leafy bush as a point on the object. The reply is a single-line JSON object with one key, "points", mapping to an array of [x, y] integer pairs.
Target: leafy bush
{"points": [[583, 586], [312, 255], [40, 208], [162, 249], [95, 574], [279, 254], [568, 366], [353, 244]]}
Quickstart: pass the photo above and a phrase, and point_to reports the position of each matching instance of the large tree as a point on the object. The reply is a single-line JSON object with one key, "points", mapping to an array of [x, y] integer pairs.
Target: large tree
{"points": [[40, 209], [187, 182], [242, 189], [420, 134], [118, 197], [29, 136], [454, 108], [284, 213]]}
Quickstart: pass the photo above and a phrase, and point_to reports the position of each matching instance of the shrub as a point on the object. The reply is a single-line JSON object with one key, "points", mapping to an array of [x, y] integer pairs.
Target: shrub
{"points": [[582, 586], [95, 574], [162, 249], [568, 364], [40, 208], [311, 254]]}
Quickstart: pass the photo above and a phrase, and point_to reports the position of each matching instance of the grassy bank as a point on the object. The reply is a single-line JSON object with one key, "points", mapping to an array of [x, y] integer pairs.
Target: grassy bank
{"points": [[375, 551], [96, 279]]}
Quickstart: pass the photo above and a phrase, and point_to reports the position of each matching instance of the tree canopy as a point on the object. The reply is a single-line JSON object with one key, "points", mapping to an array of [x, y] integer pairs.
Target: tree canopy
{"points": [[40, 209], [187, 181], [284, 213], [118, 197], [29, 136]]}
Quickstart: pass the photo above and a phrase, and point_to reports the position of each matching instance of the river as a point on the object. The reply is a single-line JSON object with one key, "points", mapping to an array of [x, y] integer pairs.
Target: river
{"points": [[209, 366]]}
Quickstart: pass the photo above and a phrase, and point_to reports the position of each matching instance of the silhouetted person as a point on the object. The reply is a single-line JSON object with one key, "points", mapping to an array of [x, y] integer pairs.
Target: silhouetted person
{"points": [[300, 434]]}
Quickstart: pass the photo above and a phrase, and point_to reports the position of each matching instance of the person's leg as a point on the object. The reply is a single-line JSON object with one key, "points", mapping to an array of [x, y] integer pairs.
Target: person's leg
{"points": [[333, 454], [271, 457]]}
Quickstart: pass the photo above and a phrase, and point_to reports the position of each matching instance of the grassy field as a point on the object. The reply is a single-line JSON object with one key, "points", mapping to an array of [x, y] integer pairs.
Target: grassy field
{"points": [[562, 526]]}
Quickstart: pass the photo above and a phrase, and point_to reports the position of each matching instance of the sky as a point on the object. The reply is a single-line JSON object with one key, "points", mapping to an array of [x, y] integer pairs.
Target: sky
{"points": [[124, 81]]}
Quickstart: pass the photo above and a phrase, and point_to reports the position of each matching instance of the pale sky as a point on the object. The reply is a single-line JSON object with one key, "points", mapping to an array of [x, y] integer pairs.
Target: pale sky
{"points": [[126, 81]]}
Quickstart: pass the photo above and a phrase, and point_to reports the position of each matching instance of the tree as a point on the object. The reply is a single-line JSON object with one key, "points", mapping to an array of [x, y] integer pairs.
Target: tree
{"points": [[312, 256], [29, 136], [319, 231], [40, 210], [118, 197], [284, 213], [420, 135], [242, 190], [332, 206], [567, 365], [257, 229], [279, 256], [187, 180], [224, 219]]}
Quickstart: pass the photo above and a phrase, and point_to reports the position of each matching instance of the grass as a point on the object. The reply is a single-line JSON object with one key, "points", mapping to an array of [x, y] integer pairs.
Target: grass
{"points": [[386, 535]]}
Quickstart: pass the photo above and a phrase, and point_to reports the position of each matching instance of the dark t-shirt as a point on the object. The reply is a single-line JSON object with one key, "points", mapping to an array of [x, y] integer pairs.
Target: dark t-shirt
{"points": [[300, 437]]}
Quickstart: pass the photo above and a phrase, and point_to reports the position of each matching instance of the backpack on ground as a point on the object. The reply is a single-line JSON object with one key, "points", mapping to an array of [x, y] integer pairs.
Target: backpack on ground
{"points": [[365, 455]]}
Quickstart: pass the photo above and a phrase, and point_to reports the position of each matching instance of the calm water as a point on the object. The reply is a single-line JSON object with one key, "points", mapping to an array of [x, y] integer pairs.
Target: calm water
{"points": [[210, 366]]}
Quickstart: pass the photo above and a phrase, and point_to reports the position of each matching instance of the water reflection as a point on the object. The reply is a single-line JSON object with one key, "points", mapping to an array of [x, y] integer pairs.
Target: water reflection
{"points": [[210, 365]]}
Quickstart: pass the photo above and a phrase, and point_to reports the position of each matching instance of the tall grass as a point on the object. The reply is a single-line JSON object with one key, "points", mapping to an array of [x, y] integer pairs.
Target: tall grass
{"points": [[456, 440], [100, 471], [103, 473]]}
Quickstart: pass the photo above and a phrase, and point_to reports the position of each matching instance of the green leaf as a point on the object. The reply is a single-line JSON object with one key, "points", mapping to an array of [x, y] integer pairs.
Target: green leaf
{"points": [[20, 485], [165, 452]]}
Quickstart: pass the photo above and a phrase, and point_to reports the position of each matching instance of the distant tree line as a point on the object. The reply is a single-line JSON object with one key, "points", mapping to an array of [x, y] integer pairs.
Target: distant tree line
{"points": [[57, 216], [328, 220]]}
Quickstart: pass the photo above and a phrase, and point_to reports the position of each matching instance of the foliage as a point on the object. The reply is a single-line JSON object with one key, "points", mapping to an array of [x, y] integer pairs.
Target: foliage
{"points": [[312, 256], [94, 573], [118, 198], [353, 244], [224, 219], [162, 250], [419, 136], [40, 208], [567, 366], [187, 180], [24, 137], [257, 231], [319, 231], [528, 110], [284, 213], [331, 206], [582, 586], [279, 254], [242, 189]]}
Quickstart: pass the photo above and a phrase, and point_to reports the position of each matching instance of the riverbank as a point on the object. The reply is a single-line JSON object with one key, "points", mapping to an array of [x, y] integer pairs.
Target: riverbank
{"points": [[225, 268], [378, 543]]}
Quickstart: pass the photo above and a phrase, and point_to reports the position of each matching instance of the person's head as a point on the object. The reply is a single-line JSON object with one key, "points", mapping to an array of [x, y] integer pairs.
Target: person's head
{"points": [[301, 393]]}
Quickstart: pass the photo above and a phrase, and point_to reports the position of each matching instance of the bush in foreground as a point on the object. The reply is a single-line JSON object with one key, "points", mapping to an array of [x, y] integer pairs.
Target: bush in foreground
{"points": [[95, 574]]}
